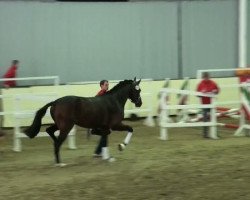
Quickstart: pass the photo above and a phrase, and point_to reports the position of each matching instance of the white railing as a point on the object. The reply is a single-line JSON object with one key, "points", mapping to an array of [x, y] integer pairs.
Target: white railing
{"points": [[165, 108], [20, 114], [55, 78]]}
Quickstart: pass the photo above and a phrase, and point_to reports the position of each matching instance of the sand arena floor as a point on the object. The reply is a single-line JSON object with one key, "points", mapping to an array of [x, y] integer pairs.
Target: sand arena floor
{"points": [[185, 167]]}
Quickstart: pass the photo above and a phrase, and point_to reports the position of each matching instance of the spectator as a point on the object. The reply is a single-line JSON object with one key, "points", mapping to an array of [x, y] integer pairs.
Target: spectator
{"points": [[207, 86], [11, 73]]}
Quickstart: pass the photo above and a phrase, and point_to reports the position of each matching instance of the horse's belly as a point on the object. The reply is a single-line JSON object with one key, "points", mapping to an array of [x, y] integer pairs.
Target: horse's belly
{"points": [[116, 119], [90, 122]]}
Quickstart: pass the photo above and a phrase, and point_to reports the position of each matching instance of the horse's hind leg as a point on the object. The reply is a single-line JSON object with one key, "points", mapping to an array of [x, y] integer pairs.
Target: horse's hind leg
{"points": [[51, 131], [60, 139]]}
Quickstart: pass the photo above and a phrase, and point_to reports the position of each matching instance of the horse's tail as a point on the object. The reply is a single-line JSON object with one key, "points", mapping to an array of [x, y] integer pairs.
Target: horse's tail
{"points": [[34, 129]]}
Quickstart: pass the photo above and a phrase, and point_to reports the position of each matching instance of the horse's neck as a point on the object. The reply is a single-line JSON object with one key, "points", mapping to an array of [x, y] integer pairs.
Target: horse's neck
{"points": [[122, 95]]}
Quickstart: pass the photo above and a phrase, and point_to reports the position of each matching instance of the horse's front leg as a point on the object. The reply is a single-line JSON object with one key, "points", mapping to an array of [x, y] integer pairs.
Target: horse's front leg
{"points": [[123, 127]]}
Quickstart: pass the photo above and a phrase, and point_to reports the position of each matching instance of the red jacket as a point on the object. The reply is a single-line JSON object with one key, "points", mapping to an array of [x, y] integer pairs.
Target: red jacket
{"points": [[101, 92], [207, 86], [11, 73]]}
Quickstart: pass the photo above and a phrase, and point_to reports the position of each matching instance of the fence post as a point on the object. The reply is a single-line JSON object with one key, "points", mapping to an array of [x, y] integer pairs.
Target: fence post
{"points": [[213, 128], [17, 146], [164, 116]]}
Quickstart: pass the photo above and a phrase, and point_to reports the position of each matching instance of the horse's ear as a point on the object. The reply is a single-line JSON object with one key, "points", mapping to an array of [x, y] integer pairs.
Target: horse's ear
{"points": [[135, 79], [138, 82]]}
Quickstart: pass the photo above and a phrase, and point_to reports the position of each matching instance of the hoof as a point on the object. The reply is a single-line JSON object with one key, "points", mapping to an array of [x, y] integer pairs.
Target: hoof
{"points": [[110, 159], [97, 155], [60, 164], [121, 146]]}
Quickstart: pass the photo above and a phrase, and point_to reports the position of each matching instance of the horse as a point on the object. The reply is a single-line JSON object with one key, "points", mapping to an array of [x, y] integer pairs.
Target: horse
{"points": [[104, 112]]}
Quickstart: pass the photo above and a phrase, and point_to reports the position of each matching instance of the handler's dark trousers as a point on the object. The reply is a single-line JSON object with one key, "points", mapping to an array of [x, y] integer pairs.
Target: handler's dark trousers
{"points": [[102, 143], [206, 118], [103, 140]]}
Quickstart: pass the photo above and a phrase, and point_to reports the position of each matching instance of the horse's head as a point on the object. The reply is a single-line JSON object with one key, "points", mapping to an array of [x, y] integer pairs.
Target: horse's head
{"points": [[134, 94]]}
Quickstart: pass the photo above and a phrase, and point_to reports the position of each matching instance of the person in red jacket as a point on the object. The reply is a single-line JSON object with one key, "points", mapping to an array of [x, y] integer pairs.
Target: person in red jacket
{"points": [[11, 73], [104, 84], [207, 86]]}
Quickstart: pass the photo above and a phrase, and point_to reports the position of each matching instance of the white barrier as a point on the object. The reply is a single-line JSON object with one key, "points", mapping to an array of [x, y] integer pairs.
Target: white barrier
{"points": [[146, 98], [181, 99], [244, 111], [55, 78], [165, 124], [229, 88], [20, 114]]}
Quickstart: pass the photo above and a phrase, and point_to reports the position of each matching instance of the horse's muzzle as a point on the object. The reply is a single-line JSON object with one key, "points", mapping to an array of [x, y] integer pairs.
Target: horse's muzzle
{"points": [[138, 103]]}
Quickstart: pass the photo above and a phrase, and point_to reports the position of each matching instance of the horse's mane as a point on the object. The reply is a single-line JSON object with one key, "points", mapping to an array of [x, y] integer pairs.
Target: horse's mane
{"points": [[119, 86]]}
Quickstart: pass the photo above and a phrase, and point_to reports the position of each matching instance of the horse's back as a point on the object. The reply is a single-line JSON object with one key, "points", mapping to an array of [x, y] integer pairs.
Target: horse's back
{"points": [[65, 107], [67, 99], [89, 112]]}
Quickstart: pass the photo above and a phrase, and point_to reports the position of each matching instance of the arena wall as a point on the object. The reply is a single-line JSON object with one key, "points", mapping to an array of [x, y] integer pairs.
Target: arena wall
{"points": [[92, 41]]}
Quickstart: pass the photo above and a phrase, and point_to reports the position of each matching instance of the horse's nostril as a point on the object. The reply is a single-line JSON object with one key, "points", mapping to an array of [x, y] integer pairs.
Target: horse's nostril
{"points": [[138, 104]]}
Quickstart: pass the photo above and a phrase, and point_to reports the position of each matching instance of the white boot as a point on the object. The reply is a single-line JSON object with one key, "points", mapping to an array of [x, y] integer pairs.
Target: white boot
{"points": [[105, 153], [106, 156]]}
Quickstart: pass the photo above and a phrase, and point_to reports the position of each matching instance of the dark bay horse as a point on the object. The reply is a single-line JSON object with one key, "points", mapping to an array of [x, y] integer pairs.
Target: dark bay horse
{"points": [[105, 112]]}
